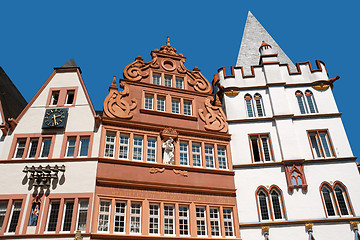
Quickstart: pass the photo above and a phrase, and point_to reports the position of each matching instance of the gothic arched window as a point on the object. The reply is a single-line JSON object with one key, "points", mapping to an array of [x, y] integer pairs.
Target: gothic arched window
{"points": [[249, 105], [311, 101], [259, 105], [328, 200], [264, 206], [270, 203], [336, 199], [301, 102]]}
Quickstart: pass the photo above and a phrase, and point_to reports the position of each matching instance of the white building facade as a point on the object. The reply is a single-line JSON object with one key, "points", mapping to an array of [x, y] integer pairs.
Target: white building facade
{"points": [[295, 173]]}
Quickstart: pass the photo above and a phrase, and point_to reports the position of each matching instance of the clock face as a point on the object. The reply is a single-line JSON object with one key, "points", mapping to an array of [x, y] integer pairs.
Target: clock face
{"points": [[55, 118]]}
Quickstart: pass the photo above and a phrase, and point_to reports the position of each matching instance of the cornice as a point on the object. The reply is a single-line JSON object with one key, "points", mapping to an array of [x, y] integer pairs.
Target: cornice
{"points": [[43, 235], [292, 116], [97, 236]]}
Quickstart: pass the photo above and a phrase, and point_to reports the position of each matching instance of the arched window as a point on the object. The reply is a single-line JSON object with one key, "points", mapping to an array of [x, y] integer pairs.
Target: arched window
{"points": [[301, 101], [295, 176], [259, 105], [263, 202], [270, 203], [336, 199], [311, 101], [249, 105]]}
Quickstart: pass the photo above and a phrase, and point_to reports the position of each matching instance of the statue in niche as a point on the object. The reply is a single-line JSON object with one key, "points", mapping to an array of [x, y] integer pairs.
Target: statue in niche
{"points": [[168, 156], [34, 214]]}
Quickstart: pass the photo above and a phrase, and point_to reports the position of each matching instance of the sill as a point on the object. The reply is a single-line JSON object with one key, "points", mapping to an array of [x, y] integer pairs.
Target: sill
{"points": [[167, 114]]}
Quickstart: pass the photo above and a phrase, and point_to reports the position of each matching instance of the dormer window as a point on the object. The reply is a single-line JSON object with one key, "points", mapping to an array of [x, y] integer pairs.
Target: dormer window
{"points": [[62, 96]]}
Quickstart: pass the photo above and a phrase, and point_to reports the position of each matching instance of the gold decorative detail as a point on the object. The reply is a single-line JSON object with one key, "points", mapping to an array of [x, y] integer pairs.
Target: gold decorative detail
{"points": [[180, 172], [354, 225], [321, 86], [115, 105], [265, 230], [156, 170], [213, 121], [232, 92], [267, 186], [309, 227], [78, 235], [331, 182], [168, 132], [198, 81]]}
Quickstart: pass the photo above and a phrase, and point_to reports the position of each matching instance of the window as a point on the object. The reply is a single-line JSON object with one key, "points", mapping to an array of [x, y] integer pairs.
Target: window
{"points": [[222, 157], [184, 220], [209, 156], [149, 99], [70, 97], [249, 105], [179, 83], [3, 208], [275, 203], [54, 98], [295, 176], [82, 215], [160, 104], [259, 105], [154, 218], [15, 215], [169, 219], [53, 215], [201, 221], [156, 79], [168, 81], [33, 147], [261, 148], [151, 150], [84, 146], [45, 147], [175, 106], [196, 154], [311, 101], [215, 222], [335, 199], [301, 102], [135, 218], [71, 147], [69, 208], [104, 212], [187, 108], [120, 213], [109, 144], [228, 222], [20, 148], [320, 144], [184, 156], [124, 146], [137, 148]]}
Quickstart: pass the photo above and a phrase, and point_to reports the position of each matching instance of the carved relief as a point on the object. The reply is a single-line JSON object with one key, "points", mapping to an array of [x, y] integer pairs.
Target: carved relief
{"points": [[115, 105], [156, 170], [198, 81], [169, 132], [215, 119], [181, 173], [136, 70]]}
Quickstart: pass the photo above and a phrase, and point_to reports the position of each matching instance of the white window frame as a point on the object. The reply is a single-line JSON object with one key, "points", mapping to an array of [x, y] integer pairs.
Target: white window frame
{"points": [[184, 153], [196, 153], [68, 146], [49, 214], [18, 147], [82, 208], [120, 214], [138, 148], [135, 215], [157, 77], [161, 103], [109, 149], [184, 218], [3, 210], [105, 214], [181, 81], [222, 159], [32, 140], [13, 209], [124, 144], [228, 222], [201, 217], [170, 218], [215, 221], [149, 101], [166, 81], [67, 97], [64, 213], [187, 107], [175, 106], [81, 145], [54, 99], [151, 148], [155, 217], [209, 156]]}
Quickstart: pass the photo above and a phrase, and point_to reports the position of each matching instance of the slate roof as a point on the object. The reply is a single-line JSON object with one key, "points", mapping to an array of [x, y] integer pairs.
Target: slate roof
{"points": [[254, 35], [11, 100]]}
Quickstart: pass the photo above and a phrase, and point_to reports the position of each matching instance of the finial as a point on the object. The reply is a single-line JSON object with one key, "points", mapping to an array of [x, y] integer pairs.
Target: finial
{"points": [[168, 41], [113, 84]]}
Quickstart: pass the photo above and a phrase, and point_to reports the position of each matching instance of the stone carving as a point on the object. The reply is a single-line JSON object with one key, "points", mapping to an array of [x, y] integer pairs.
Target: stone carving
{"points": [[115, 105], [169, 132], [198, 81], [156, 170], [215, 119], [180, 172], [168, 156]]}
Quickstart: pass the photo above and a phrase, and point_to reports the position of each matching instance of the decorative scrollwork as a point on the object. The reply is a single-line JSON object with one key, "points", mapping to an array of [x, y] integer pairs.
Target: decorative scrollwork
{"points": [[181, 68], [156, 170], [115, 105], [198, 81], [136, 70], [215, 119], [181, 172]]}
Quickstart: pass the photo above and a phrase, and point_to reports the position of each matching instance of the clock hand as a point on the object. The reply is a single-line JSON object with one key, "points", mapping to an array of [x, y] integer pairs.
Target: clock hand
{"points": [[54, 117]]}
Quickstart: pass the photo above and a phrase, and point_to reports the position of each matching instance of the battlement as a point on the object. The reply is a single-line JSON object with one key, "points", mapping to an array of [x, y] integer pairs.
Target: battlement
{"points": [[274, 73]]}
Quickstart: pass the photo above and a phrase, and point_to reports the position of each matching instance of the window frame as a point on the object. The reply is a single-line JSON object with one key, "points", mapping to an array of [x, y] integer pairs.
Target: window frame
{"points": [[62, 97], [120, 214], [259, 104], [104, 213], [27, 148], [259, 141], [215, 220], [319, 142], [249, 106], [202, 218], [153, 216], [78, 214], [78, 136], [269, 203], [139, 215], [184, 219]]}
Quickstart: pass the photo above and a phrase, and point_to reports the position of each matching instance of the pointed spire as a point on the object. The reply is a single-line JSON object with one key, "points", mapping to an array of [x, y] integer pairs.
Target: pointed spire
{"points": [[168, 41], [254, 35], [168, 48], [113, 84], [69, 64]]}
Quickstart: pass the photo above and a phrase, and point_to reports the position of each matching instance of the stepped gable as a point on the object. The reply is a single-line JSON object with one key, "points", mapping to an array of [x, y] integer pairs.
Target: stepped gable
{"points": [[253, 36]]}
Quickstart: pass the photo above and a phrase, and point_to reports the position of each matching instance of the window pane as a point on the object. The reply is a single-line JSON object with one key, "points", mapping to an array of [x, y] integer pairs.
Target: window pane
{"points": [[71, 147], [104, 212], [124, 146], [82, 216], [311, 101], [249, 107], [196, 154], [154, 217], [315, 145], [263, 206], [109, 144], [266, 150], [325, 144], [175, 106], [184, 220], [276, 204], [255, 149], [156, 79], [54, 98], [135, 218], [15, 216], [328, 201], [168, 81], [151, 150], [149, 99], [222, 157], [69, 207], [215, 222], [70, 97], [341, 201], [168, 219], [179, 83], [120, 212], [46, 147], [187, 108], [53, 216], [137, 149], [84, 146], [209, 156], [20, 148], [33, 148], [184, 157], [201, 221], [259, 105], [160, 104], [228, 222], [301, 102], [3, 208]]}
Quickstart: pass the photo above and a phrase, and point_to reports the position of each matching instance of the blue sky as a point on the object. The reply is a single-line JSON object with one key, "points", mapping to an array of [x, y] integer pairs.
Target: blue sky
{"points": [[104, 36]]}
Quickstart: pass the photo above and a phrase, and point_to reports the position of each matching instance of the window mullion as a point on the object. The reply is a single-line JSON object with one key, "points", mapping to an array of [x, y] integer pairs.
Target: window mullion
{"points": [[260, 148], [320, 144]]}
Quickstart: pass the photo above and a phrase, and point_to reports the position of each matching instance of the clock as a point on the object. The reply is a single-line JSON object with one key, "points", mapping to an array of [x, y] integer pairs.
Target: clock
{"points": [[55, 118]]}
